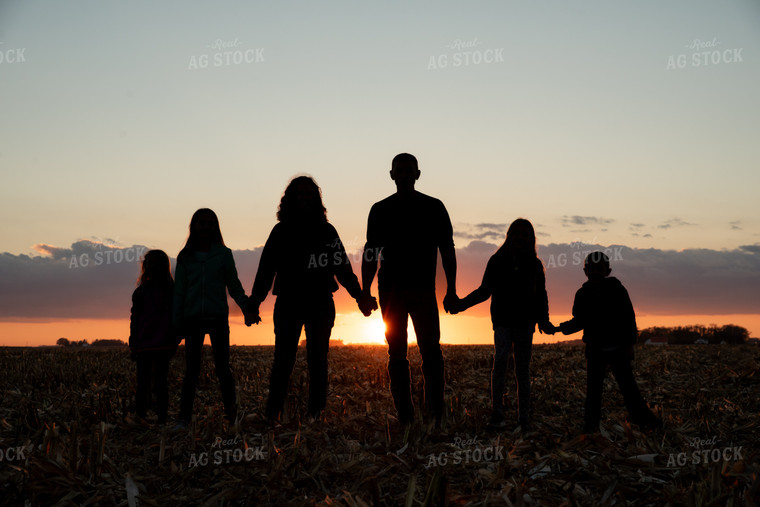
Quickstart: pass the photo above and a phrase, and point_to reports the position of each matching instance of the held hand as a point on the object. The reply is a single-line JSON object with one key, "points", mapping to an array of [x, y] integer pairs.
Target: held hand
{"points": [[547, 328], [367, 304], [252, 317], [451, 303]]}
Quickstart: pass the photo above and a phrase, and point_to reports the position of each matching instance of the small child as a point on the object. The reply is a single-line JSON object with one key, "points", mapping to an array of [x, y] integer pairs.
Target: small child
{"points": [[152, 342], [604, 311], [514, 280]]}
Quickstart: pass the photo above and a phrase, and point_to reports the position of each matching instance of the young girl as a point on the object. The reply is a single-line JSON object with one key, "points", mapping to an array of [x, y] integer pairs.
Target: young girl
{"points": [[514, 280], [205, 268], [152, 342]]}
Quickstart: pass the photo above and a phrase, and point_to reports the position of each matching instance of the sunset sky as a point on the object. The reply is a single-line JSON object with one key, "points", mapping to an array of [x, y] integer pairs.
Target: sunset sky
{"points": [[631, 126]]}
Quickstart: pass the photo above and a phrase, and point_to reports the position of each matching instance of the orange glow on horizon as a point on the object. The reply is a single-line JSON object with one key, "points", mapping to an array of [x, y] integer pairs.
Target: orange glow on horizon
{"points": [[350, 328]]}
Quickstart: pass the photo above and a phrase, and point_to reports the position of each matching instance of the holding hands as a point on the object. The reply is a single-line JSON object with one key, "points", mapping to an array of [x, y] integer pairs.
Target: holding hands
{"points": [[251, 314], [547, 327], [367, 303], [452, 304]]}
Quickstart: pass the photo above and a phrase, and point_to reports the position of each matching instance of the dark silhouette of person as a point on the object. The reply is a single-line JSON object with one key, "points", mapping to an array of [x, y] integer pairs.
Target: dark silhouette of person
{"points": [[205, 272], [514, 280], [152, 341], [405, 231], [603, 310], [303, 256]]}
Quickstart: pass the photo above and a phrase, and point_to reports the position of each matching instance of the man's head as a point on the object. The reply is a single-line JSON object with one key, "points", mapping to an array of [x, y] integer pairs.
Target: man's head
{"points": [[404, 171], [597, 266]]}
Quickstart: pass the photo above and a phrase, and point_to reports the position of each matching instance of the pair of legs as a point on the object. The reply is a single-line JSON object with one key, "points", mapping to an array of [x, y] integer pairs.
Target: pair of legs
{"points": [[219, 333], [153, 367], [396, 307], [619, 361], [291, 314], [505, 339]]}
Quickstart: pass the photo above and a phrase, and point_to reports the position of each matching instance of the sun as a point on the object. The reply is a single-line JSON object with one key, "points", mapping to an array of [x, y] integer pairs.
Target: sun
{"points": [[375, 330]]}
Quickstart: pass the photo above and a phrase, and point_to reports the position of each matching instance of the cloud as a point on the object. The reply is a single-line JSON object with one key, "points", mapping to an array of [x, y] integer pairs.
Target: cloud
{"points": [[674, 222], [660, 282], [569, 221], [91, 280], [735, 225]]}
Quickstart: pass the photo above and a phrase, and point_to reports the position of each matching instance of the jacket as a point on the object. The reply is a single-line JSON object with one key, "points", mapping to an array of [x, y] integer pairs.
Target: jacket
{"points": [[603, 309], [150, 326], [199, 285]]}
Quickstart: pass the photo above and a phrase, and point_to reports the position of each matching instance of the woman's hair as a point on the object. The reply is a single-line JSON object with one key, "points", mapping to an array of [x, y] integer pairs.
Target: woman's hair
{"points": [[192, 243], [288, 209], [155, 268], [520, 224]]}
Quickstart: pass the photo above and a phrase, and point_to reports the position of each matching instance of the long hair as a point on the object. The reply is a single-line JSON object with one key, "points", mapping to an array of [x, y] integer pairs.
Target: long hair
{"points": [[288, 208], [519, 224], [192, 243], [155, 268]]}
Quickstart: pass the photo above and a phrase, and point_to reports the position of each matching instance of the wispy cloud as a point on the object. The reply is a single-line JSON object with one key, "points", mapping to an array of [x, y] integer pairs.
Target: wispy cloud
{"points": [[674, 222], [572, 220]]}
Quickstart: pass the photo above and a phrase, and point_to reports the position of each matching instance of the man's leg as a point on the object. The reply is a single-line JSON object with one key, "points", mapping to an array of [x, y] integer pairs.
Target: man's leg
{"points": [[318, 328], [287, 331], [424, 314], [395, 315]]}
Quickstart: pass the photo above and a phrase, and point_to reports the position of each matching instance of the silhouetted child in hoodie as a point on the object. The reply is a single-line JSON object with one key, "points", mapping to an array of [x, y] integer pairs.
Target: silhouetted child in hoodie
{"points": [[603, 310]]}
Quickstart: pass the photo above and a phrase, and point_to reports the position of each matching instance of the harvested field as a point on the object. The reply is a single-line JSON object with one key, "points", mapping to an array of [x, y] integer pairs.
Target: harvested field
{"points": [[68, 438]]}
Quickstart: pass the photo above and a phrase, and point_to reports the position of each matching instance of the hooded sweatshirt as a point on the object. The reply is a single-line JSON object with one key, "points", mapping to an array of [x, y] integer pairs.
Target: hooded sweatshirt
{"points": [[604, 311], [200, 282]]}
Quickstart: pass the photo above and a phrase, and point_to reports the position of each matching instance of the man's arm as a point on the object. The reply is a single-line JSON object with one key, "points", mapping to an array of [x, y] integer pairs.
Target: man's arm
{"points": [[448, 260]]}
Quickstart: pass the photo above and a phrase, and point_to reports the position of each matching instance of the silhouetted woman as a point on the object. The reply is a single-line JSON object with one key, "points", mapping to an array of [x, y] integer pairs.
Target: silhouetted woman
{"points": [[303, 255], [152, 341], [205, 272], [514, 280]]}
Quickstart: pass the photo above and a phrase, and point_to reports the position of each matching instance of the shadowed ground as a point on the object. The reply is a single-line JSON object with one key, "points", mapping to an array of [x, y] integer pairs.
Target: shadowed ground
{"points": [[65, 414]]}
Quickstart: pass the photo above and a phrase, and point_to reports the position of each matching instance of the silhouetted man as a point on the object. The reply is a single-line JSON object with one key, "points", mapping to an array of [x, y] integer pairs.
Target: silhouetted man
{"points": [[404, 234]]}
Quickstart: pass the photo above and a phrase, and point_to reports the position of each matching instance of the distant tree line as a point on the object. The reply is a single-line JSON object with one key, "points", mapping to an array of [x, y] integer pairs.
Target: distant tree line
{"points": [[65, 342], [687, 335]]}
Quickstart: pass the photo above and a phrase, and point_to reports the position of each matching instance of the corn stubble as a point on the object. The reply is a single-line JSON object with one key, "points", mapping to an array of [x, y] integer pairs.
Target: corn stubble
{"points": [[72, 414]]}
